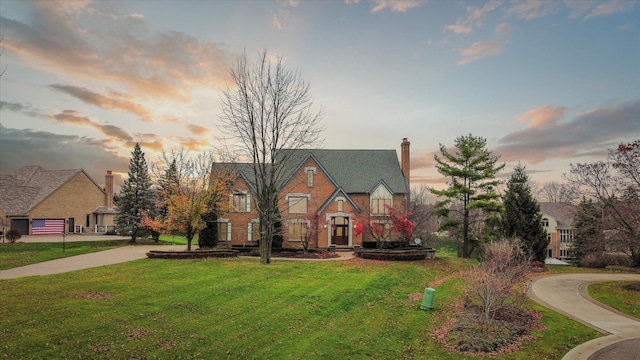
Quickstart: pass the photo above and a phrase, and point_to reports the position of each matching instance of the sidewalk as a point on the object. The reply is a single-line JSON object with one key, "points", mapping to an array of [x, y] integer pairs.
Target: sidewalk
{"points": [[86, 261], [567, 294]]}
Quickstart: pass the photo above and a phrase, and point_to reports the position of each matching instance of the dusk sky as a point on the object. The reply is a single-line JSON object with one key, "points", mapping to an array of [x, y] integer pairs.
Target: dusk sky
{"points": [[547, 83]]}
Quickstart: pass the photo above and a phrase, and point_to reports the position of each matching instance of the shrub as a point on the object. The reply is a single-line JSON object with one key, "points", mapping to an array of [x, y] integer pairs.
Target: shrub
{"points": [[601, 260], [208, 237], [13, 235], [503, 265]]}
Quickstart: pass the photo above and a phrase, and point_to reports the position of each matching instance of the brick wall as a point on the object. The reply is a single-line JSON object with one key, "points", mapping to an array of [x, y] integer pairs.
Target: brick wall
{"points": [[75, 199]]}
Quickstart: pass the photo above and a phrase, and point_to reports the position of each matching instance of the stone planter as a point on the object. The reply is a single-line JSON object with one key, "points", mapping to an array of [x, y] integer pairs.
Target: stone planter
{"points": [[397, 254]]}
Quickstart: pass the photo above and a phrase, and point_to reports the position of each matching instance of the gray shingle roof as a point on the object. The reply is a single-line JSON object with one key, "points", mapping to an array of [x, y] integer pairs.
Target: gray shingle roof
{"points": [[26, 187], [563, 212], [354, 171], [359, 171]]}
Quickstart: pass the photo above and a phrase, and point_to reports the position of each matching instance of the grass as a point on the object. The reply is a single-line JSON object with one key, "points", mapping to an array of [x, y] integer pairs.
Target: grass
{"points": [[237, 308], [615, 295], [21, 254]]}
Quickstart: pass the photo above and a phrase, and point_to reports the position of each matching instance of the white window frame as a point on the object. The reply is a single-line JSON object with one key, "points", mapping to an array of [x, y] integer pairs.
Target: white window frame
{"points": [[381, 193], [310, 171], [297, 196], [247, 204], [228, 228], [297, 222], [250, 229]]}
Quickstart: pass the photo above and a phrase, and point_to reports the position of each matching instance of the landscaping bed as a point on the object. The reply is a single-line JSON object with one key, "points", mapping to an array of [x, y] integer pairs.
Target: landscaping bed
{"points": [[396, 254], [198, 254], [286, 252]]}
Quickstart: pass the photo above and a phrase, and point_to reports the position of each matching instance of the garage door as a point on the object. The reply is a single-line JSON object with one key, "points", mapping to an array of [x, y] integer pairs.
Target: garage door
{"points": [[21, 225]]}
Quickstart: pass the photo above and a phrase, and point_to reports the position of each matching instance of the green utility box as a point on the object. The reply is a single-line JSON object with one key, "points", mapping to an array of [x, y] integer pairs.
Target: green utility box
{"points": [[427, 299]]}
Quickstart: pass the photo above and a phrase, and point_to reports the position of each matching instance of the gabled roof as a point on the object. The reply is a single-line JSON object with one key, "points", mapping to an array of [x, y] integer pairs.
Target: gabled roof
{"points": [[357, 171], [25, 188], [338, 192], [563, 212], [354, 171]]}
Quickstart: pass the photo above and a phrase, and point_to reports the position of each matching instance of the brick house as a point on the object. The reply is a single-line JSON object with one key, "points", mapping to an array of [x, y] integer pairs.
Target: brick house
{"points": [[558, 222], [323, 193], [37, 201]]}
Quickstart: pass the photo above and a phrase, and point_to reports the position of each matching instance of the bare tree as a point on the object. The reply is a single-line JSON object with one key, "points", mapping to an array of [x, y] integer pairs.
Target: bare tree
{"points": [[554, 191], [424, 213], [615, 184], [269, 110]]}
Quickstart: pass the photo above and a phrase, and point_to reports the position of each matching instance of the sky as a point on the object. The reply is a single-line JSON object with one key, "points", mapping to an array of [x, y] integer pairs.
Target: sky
{"points": [[546, 83]]}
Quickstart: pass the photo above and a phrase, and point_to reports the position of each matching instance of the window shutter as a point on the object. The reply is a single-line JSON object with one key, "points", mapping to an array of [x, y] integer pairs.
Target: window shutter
{"points": [[229, 231], [249, 231], [231, 202], [248, 202]]}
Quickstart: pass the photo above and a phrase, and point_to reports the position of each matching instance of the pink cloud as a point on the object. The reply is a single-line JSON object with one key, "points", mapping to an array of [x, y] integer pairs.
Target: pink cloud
{"points": [[542, 116], [394, 5], [479, 50], [611, 7]]}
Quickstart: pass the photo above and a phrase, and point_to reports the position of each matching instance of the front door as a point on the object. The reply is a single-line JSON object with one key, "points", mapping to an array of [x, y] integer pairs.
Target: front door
{"points": [[72, 225], [340, 230]]}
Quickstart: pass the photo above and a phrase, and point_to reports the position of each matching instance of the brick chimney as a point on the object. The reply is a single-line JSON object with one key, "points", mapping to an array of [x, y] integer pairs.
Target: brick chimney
{"points": [[108, 190], [405, 164]]}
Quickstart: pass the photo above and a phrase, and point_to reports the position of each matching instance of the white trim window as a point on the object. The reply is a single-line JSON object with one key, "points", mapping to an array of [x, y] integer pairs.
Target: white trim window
{"points": [[253, 230], [566, 236], [310, 171], [240, 201], [380, 199], [297, 229], [298, 203], [224, 230]]}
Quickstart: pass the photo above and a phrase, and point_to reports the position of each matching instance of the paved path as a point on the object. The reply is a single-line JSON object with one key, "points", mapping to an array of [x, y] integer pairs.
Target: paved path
{"points": [[567, 294], [85, 261]]}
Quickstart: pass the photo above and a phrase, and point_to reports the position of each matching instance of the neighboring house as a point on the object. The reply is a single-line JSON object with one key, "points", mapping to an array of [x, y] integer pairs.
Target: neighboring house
{"points": [[323, 194], [558, 222], [36, 201]]}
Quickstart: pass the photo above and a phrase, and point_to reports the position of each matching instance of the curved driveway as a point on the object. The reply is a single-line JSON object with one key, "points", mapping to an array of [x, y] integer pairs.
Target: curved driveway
{"points": [[567, 294]]}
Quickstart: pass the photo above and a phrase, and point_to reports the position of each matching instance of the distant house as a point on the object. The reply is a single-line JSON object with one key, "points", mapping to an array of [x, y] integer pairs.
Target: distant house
{"points": [[37, 201], [324, 191], [558, 222]]}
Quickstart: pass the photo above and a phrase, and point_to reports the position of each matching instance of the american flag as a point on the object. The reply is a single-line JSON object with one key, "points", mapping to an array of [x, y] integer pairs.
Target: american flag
{"points": [[47, 226]]}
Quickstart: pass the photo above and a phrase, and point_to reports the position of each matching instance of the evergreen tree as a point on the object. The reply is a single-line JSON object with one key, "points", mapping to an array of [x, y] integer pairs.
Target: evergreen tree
{"points": [[522, 218], [136, 197], [472, 169], [208, 237], [589, 235]]}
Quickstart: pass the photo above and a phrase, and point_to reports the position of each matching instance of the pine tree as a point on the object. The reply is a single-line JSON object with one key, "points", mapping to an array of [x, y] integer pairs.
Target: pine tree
{"points": [[472, 169], [136, 197], [589, 235], [522, 218]]}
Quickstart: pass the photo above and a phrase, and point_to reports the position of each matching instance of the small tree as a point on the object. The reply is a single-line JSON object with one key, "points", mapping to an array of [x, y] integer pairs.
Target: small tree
{"points": [[522, 218], [193, 192], [503, 265], [380, 228], [136, 197], [13, 235], [311, 234], [472, 169]]}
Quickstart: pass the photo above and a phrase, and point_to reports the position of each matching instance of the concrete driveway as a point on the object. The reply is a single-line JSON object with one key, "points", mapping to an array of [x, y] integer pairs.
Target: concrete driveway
{"points": [[567, 294], [86, 261]]}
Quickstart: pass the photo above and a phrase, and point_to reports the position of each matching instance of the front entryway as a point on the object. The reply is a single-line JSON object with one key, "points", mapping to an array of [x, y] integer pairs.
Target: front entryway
{"points": [[340, 230]]}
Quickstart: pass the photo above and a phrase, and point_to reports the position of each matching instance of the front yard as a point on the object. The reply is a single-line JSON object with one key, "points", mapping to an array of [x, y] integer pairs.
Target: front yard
{"points": [[237, 308]]}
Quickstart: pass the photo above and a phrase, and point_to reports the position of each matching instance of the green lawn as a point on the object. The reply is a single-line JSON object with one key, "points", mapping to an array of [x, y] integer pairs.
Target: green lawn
{"points": [[239, 309], [613, 294], [21, 254]]}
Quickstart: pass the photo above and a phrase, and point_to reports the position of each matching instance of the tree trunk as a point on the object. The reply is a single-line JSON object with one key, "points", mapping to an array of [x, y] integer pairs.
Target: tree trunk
{"points": [[465, 234]]}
